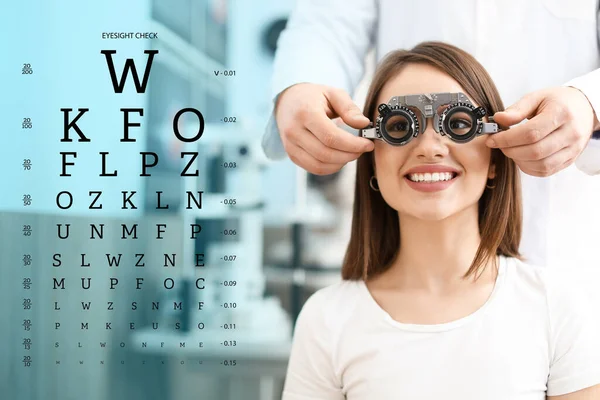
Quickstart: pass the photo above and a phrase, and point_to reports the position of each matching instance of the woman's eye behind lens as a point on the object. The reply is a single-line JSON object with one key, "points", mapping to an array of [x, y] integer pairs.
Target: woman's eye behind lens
{"points": [[460, 124], [397, 126]]}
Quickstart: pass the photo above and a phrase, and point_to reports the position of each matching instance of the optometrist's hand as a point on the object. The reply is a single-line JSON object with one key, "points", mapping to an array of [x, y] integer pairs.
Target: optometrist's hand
{"points": [[561, 122], [312, 140]]}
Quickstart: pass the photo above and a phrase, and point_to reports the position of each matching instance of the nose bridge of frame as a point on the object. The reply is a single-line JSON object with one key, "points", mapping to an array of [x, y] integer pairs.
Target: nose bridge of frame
{"points": [[428, 114], [427, 105]]}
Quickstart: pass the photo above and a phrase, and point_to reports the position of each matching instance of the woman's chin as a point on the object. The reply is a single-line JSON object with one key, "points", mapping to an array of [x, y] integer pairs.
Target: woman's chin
{"points": [[430, 214]]}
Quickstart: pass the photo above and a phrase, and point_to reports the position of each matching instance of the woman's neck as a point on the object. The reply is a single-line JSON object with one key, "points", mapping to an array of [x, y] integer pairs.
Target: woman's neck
{"points": [[434, 255]]}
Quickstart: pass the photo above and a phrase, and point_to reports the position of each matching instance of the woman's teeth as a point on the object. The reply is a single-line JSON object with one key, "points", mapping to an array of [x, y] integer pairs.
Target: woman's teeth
{"points": [[431, 177]]}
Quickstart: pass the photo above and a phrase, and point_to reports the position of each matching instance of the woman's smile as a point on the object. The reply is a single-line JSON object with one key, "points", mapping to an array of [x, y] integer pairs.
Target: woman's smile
{"points": [[431, 178], [430, 186]]}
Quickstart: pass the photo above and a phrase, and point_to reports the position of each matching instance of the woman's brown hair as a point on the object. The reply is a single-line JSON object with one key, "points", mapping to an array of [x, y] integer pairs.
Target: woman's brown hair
{"points": [[375, 236]]}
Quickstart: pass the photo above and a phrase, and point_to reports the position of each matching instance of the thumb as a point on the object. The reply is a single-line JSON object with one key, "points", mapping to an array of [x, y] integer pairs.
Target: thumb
{"points": [[342, 105], [525, 107]]}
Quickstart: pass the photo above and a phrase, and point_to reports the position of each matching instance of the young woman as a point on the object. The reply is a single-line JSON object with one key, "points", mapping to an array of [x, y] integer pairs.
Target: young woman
{"points": [[436, 301]]}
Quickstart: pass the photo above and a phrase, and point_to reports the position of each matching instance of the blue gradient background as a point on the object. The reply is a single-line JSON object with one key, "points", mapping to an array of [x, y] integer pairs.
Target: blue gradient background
{"points": [[62, 41]]}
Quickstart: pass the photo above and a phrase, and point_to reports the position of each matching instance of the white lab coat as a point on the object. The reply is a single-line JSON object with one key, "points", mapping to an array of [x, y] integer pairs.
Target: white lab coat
{"points": [[525, 45]]}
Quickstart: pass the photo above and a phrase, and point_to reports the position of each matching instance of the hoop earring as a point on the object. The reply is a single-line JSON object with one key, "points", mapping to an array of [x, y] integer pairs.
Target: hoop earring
{"points": [[490, 187], [371, 183]]}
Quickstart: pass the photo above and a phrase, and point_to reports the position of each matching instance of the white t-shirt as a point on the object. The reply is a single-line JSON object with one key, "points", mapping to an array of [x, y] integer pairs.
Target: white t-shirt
{"points": [[535, 335]]}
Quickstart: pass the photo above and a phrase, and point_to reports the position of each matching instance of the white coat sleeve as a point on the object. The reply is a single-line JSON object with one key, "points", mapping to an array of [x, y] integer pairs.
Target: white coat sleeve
{"points": [[310, 372], [324, 42], [589, 84], [574, 332]]}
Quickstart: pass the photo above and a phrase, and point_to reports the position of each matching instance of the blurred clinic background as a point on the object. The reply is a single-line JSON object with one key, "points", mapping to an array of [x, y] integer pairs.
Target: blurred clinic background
{"points": [[271, 233]]}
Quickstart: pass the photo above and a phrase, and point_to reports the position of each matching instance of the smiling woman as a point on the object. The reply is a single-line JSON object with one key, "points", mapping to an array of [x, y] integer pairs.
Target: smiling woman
{"points": [[436, 301], [432, 68]]}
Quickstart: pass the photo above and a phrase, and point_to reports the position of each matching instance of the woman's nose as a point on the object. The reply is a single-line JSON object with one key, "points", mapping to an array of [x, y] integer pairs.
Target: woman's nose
{"points": [[430, 144]]}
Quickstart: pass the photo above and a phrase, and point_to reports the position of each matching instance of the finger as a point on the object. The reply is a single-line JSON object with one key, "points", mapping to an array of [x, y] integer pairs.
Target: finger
{"points": [[549, 165], [542, 149], [301, 158], [342, 106], [334, 137], [525, 107], [313, 146], [530, 132]]}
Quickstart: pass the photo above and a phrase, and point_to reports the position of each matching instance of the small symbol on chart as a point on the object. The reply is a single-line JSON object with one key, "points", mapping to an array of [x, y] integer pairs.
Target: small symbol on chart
{"points": [[27, 343], [27, 324], [27, 304], [27, 124], [27, 70], [26, 260], [26, 199], [27, 164], [27, 230], [27, 361], [27, 283]]}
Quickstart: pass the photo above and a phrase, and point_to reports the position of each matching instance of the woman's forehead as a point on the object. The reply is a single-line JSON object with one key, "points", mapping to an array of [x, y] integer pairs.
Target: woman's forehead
{"points": [[417, 79]]}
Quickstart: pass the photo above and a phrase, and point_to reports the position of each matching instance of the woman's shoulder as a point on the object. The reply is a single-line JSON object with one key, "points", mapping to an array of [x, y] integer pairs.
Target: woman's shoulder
{"points": [[532, 277], [562, 279], [333, 303], [566, 290], [565, 296], [525, 270], [337, 295]]}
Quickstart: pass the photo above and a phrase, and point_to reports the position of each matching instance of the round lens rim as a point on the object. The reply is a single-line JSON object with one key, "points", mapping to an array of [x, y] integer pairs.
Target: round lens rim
{"points": [[413, 128], [460, 107]]}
